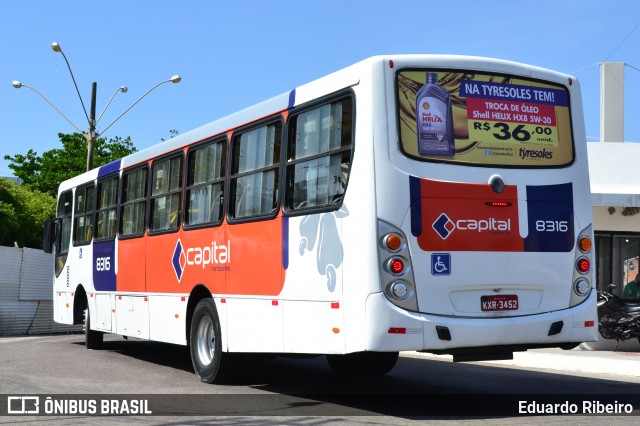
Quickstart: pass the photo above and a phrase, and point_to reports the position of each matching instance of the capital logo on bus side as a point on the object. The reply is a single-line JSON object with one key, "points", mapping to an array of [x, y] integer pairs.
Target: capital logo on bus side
{"points": [[214, 254], [179, 260]]}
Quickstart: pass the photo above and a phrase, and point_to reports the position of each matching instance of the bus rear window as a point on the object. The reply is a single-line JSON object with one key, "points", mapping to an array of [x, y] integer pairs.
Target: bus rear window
{"points": [[480, 119]]}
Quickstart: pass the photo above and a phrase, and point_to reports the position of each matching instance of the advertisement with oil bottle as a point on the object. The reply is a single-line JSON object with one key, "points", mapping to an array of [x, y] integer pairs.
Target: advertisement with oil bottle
{"points": [[483, 119]]}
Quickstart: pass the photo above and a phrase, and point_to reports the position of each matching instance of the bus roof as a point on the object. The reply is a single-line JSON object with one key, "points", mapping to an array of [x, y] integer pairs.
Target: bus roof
{"points": [[330, 83]]}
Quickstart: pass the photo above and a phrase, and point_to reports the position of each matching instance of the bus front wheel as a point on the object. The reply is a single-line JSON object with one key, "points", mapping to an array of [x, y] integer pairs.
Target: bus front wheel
{"points": [[209, 362], [92, 339]]}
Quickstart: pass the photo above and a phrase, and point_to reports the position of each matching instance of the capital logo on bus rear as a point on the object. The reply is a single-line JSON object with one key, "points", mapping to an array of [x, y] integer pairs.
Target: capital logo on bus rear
{"points": [[443, 226], [473, 217], [463, 217]]}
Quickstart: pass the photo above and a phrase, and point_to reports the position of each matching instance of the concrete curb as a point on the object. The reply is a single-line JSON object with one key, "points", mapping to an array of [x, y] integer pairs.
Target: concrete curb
{"points": [[617, 363]]}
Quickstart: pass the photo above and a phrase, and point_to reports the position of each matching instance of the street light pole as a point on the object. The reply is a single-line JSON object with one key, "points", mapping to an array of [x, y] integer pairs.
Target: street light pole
{"points": [[175, 79], [16, 84], [92, 136], [122, 89], [56, 48]]}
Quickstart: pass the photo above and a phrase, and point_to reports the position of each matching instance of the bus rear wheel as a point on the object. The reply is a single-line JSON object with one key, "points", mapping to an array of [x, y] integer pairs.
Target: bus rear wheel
{"points": [[363, 363], [210, 364]]}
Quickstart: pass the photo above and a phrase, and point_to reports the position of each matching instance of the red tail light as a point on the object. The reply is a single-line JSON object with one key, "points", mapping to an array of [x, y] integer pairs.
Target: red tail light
{"points": [[396, 266], [583, 265]]}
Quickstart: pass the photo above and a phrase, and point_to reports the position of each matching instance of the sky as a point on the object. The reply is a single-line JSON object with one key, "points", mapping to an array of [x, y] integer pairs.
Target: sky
{"points": [[233, 54]]}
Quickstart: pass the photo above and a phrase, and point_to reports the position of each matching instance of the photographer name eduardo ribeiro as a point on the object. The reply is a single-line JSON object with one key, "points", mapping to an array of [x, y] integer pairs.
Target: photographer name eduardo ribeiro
{"points": [[587, 407], [69, 406]]}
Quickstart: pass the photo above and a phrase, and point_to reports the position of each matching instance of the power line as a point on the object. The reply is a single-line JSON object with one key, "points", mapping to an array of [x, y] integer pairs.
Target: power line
{"points": [[622, 42], [600, 63], [631, 66], [587, 67]]}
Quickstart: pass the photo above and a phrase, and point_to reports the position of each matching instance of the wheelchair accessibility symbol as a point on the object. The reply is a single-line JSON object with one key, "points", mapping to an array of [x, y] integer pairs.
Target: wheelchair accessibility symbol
{"points": [[440, 264]]}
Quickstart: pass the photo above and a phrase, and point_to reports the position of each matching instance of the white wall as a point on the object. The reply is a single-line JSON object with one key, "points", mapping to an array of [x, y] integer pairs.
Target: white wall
{"points": [[26, 293], [616, 221]]}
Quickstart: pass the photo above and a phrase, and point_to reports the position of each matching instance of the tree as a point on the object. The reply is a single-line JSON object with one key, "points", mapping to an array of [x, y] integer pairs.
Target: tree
{"points": [[22, 213], [172, 134], [44, 173]]}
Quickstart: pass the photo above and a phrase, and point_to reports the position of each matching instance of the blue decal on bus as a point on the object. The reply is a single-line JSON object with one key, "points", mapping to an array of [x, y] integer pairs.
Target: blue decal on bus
{"points": [[292, 99], [104, 267], [285, 242], [440, 264], [550, 213], [107, 169], [415, 200]]}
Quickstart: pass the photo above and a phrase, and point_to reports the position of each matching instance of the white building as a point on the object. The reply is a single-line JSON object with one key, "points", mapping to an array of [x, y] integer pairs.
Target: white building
{"points": [[614, 173]]}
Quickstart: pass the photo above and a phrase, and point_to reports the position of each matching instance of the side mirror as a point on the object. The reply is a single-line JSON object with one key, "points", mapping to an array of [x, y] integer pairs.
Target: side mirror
{"points": [[49, 235]]}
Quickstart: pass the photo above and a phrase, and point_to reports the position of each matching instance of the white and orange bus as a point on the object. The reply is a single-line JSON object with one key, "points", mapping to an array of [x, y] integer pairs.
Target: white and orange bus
{"points": [[406, 203]]}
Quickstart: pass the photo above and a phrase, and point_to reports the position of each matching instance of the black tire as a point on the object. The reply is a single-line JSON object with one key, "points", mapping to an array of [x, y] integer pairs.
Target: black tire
{"points": [[363, 363], [92, 339], [210, 364]]}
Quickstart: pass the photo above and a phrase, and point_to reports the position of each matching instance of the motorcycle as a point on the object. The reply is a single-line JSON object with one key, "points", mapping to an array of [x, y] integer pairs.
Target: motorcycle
{"points": [[617, 318]]}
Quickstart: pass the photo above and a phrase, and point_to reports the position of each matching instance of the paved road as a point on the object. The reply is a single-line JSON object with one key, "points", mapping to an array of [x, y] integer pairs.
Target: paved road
{"points": [[52, 365]]}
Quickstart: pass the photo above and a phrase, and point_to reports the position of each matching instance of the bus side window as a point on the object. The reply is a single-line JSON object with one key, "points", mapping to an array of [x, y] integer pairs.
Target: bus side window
{"points": [[134, 203], [319, 156], [205, 183], [166, 194], [65, 208], [83, 222], [255, 172], [107, 204]]}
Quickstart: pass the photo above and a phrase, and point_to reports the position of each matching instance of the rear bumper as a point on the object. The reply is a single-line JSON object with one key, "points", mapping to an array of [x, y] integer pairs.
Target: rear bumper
{"points": [[393, 329]]}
